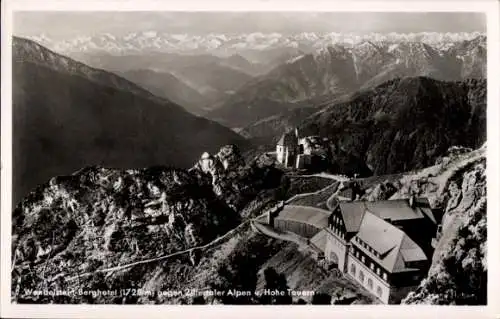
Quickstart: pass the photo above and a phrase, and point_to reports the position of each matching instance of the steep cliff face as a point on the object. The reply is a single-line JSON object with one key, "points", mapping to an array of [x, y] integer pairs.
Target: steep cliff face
{"points": [[458, 274], [456, 184]]}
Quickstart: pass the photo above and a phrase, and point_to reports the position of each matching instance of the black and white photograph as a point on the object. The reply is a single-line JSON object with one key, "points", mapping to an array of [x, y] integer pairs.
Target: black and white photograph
{"points": [[248, 158]]}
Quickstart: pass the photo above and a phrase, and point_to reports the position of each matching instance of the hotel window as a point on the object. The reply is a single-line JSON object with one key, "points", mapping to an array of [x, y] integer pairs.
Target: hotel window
{"points": [[351, 249], [353, 270], [378, 271], [384, 276], [363, 259], [370, 283], [372, 266], [379, 291], [357, 254], [361, 276]]}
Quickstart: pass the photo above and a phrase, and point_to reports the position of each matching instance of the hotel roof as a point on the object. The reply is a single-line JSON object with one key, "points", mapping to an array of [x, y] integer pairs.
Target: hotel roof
{"points": [[394, 248], [400, 209]]}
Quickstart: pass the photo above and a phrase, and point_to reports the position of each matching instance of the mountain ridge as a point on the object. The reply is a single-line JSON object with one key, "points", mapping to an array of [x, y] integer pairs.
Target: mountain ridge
{"points": [[406, 123], [25, 50]]}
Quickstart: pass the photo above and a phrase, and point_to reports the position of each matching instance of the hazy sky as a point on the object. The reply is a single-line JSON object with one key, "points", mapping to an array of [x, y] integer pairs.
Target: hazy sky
{"points": [[70, 24]]}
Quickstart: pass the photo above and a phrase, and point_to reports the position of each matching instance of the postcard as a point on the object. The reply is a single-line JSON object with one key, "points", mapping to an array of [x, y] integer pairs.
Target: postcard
{"points": [[249, 159]]}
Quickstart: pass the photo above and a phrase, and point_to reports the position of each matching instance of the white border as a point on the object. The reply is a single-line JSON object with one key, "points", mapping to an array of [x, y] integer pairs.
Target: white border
{"points": [[491, 8]]}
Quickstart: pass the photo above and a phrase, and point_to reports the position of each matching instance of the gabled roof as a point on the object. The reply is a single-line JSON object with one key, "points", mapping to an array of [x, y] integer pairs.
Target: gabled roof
{"points": [[400, 209], [352, 214], [288, 139], [379, 234], [393, 246]]}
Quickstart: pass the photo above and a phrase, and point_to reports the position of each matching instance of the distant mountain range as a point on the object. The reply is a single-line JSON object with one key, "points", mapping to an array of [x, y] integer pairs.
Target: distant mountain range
{"points": [[227, 44], [67, 115], [246, 78], [338, 70]]}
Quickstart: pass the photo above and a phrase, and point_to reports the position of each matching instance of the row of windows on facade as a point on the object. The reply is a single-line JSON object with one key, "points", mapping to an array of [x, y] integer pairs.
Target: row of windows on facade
{"points": [[373, 267], [362, 279], [367, 247]]}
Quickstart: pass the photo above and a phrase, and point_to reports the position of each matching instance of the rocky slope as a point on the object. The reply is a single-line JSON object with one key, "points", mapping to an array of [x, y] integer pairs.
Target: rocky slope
{"points": [[65, 118], [456, 184], [99, 218]]}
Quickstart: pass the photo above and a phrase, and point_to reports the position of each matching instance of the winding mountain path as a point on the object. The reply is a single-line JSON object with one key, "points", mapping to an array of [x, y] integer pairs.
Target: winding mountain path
{"points": [[156, 259], [302, 195]]}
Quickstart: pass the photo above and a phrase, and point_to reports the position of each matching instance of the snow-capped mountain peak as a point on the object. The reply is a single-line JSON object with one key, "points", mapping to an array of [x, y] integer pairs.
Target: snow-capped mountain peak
{"points": [[215, 43]]}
